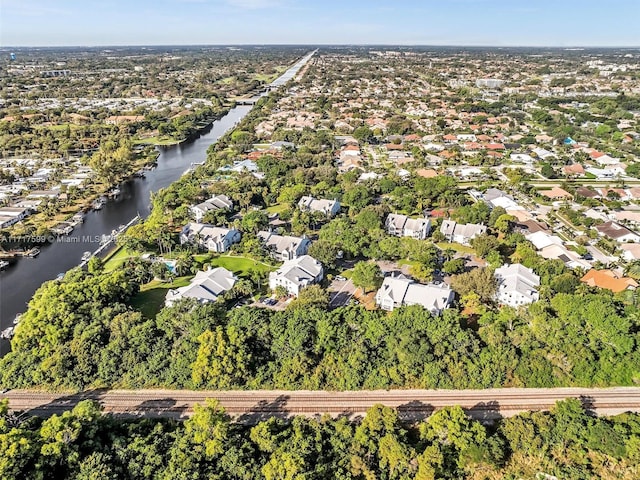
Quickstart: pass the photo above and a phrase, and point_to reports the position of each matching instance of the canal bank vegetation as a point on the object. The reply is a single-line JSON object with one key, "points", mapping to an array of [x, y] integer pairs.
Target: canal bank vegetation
{"points": [[81, 444], [101, 113]]}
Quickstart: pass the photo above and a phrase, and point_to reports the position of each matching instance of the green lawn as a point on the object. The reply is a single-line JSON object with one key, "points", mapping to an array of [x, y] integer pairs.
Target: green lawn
{"points": [[278, 208], [262, 77], [150, 299], [455, 246], [410, 263], [116, 259], [240, 265], [163, 140]]}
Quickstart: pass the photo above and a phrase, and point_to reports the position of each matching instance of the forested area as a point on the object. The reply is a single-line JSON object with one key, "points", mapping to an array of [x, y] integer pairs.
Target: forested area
{"points": [[84, 445], [81, 332]]}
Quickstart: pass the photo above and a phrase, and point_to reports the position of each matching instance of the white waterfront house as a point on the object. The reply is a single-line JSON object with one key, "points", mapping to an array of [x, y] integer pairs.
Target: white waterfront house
{"points": [[214, 239]]}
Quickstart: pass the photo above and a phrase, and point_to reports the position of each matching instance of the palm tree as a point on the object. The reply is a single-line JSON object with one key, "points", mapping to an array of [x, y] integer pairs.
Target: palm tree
{"points": [[242, 288], [448, 254], [183, 263]]}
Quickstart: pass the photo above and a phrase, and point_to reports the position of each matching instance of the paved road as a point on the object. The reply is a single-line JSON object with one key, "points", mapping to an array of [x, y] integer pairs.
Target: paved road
{"points": [[256, 405]]}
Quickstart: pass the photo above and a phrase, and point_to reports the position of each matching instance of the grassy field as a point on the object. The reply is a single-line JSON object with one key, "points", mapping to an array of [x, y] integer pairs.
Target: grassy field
{"points": [[409, 263], [150, 299], [116, 258], [455, 246], [240, 265], [278, 208], [163, 140]]}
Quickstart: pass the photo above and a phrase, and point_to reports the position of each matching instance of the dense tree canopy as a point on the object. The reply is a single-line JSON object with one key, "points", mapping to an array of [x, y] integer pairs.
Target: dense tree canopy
{"points": [[82, 444]]}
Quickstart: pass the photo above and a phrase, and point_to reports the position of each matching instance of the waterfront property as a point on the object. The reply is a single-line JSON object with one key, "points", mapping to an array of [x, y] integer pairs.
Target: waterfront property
{"points": [[210, 237]]}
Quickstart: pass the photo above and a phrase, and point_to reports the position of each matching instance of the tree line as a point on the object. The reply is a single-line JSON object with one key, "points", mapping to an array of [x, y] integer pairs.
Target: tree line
{"points": [[83, 332], [82, 444]]}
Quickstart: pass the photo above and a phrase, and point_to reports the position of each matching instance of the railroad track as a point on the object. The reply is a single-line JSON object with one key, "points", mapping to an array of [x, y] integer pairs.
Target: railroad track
{"points": [[491, 403]]}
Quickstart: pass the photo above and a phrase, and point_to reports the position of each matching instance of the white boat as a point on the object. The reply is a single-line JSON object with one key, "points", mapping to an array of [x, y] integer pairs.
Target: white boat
{"points": [[60, 276], [33, 253], [7, 333], [99, 203], [86, 256], [3, 264]]}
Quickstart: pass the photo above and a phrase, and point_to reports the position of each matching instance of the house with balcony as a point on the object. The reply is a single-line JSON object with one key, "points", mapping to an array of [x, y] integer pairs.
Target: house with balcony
{"points": [[329, 207], [403, 226], [517, 285], [209, 237], [284, 247], [402, 291], [296, 274]]}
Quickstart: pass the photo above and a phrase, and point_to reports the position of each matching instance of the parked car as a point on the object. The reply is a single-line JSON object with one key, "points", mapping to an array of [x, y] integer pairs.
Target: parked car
{"points": [[340, 278]]}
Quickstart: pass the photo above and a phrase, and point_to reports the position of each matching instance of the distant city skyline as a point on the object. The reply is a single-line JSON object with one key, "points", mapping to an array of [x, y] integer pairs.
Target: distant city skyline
{"points": [[561, 23]]}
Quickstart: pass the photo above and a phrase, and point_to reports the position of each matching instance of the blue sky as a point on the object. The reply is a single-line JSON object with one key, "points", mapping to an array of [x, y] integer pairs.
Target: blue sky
{"points": [[412, 22]]}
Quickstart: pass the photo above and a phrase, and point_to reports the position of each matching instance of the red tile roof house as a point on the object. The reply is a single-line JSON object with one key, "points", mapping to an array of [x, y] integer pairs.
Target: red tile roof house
{"points": [[587, 192], [412, 138], [555, 193], [609, 280], [427, 173], [575, 169], [394, 146], [621, 193], [472, 146], [494, 146], [634, 192]]}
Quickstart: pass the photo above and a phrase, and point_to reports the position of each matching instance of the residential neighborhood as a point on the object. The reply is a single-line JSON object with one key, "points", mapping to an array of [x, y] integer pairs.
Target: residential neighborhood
{"points": [[287, 240]]}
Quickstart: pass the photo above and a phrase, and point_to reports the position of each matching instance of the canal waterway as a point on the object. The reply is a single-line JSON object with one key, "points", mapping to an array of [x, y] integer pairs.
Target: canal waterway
{"points": [[20, 281]]}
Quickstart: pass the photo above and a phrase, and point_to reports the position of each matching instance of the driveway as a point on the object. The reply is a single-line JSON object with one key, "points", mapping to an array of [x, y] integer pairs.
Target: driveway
{"points": [[340, 292]]}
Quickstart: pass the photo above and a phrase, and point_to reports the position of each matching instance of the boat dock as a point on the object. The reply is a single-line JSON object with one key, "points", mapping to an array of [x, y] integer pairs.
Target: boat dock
{"points": [[110, 239]]}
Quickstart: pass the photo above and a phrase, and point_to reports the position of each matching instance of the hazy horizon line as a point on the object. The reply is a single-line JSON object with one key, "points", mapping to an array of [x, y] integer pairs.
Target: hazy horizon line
{"points": [[5, 47]]}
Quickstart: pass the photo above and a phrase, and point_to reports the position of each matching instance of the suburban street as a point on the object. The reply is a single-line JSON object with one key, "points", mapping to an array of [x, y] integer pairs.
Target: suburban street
{"points": [[257, 405]]}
